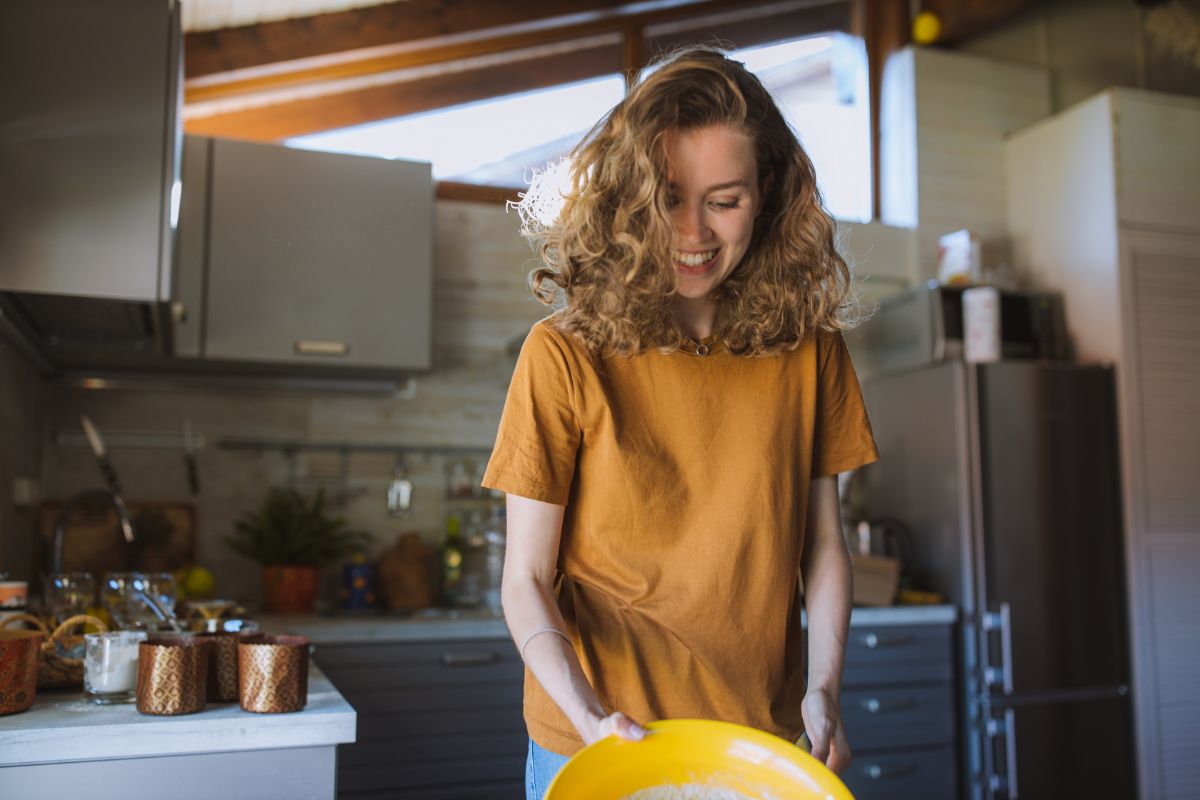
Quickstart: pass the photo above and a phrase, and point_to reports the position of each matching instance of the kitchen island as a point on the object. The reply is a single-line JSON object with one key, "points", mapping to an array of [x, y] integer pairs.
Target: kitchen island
{"points": [[65, 746]]}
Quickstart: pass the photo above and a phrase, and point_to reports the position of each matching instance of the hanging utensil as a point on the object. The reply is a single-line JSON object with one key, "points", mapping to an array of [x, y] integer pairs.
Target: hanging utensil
{"points": [[98, 449], [400, 491], [189, 459]]}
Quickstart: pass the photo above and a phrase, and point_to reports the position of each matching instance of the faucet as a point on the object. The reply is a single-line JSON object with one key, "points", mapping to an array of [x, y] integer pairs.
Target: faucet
{"points": [[60, 524]]}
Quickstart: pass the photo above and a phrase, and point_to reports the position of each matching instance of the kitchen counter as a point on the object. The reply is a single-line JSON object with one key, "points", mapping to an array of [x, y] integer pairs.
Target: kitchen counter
{"points": [[447, 626], [63, 743]]}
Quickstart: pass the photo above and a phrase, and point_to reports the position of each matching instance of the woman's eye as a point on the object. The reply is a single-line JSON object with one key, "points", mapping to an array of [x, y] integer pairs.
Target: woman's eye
{"points": [[725, 205]]}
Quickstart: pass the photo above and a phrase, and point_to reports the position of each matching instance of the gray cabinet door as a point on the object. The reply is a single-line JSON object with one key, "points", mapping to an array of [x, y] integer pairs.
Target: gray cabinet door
{"points": [[88, 135], [191, 248], [318, 258]]}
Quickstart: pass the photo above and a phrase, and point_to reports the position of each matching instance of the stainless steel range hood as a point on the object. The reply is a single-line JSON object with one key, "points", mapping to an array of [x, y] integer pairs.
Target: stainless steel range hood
{"points": [[83, 332]]}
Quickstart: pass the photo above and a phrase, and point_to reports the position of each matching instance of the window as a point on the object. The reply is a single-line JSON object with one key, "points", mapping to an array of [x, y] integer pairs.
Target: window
{"points": [[820, 84], [491, 142]]}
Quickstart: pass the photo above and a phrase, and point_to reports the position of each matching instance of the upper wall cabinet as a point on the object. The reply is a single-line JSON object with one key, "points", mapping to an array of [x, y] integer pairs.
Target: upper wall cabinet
{"points": [[315, 258], [89, 103]]}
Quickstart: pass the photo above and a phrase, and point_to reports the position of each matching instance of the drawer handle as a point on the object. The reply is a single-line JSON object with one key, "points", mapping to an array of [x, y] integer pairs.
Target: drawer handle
{"points": [[315, 347], [469, 659], [874, 705], [875, 641], [878, 772]]}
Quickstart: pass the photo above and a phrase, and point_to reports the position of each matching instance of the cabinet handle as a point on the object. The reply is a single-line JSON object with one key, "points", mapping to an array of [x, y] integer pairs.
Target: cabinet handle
{"points": [[469, 659], [883, 771], [875, 641], [316, 347], [874, 705], [179, 313], [1003, 674]]}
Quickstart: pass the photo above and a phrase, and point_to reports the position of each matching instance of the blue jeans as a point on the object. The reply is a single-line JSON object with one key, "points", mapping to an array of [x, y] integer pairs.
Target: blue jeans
{"points": [[540, 768]]}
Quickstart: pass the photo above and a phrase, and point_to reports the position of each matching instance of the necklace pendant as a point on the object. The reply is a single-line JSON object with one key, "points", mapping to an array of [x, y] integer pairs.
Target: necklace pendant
{"points": [[701, 349]]}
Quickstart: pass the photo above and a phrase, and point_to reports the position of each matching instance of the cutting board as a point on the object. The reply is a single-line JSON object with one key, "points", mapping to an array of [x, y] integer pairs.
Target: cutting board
{"points": [[165, 538]]}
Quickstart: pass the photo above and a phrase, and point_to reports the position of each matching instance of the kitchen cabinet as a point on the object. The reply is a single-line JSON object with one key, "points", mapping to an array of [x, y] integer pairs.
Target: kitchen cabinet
{"points": [[89, 146], [946, 114], [307, 258], [440, 717], [899, 710], [1104, 207], [436, 719]]}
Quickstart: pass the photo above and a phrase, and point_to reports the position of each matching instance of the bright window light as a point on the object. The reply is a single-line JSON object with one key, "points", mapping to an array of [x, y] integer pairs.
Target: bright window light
{"points": [[820, 84], [493, 141]]}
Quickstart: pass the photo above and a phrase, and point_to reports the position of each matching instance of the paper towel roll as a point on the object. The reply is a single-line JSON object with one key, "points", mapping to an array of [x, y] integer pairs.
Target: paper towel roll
{"points": [[981, 324]]}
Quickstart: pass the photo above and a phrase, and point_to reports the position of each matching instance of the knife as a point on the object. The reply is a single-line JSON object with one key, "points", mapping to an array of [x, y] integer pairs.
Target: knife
{"points": [[101, 453]]}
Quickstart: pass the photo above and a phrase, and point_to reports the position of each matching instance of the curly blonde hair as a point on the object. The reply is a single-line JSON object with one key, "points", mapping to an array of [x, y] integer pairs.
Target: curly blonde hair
{"points": [[606, 258]]}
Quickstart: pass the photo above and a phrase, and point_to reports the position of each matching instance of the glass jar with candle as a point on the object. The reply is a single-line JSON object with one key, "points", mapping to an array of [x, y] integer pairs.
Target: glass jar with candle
{"points": [[110, 666]]}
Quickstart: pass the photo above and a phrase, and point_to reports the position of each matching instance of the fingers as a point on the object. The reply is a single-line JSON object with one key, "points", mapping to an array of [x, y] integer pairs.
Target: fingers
{"points": [[622, 726]]}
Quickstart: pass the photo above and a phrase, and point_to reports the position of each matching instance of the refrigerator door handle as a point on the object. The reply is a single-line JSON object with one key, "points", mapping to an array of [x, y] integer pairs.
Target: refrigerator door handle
{"points": [[1003, 672], [1008, 783]]}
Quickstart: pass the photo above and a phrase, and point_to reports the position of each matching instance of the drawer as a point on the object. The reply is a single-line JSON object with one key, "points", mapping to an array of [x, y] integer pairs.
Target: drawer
{"points": [[447, 771], [905, 716], [492, 790], [392, 666], [912, 775], [887, 655]]}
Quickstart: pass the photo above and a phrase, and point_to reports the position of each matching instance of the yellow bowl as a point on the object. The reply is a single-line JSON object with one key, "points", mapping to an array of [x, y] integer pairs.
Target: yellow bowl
{"points": [[697, 751]]}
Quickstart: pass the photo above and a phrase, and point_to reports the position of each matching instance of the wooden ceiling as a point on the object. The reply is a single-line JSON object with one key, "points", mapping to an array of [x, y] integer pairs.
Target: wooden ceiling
{"points": [[294, 70]]}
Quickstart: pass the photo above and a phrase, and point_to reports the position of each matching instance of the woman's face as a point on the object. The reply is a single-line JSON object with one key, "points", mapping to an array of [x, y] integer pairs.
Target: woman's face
{"points": [[714, 199]]}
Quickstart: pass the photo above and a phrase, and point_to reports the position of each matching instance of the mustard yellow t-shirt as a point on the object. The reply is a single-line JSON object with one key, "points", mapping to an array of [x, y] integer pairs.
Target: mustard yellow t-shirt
{"points": [[685, 480]]}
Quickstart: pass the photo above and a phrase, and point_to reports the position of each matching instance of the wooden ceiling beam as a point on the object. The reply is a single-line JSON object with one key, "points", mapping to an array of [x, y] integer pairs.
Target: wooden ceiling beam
{"points": [[431, 22], [346, 108], [361, 62]]}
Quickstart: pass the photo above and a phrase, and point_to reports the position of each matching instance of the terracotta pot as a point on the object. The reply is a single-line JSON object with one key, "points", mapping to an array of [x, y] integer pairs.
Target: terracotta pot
{"points": [[18, 669], [291, 588]]}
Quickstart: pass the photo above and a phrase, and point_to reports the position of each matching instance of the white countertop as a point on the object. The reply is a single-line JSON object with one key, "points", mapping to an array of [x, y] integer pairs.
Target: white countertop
{"points": [[62, 726], [456, 626]]}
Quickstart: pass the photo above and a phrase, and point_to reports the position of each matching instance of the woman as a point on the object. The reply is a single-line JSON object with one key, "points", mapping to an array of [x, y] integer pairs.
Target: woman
{"points": [[672, 434]]}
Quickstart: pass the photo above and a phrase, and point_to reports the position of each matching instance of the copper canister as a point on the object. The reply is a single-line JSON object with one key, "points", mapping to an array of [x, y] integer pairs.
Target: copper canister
{"points": [[172, 675], [273, 671], [18, 669], [222, 666]]}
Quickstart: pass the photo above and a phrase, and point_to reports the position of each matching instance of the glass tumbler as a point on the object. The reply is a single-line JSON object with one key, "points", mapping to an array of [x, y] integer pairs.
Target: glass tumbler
{"points": [[123, 594], [110, 666], [70, 593]]}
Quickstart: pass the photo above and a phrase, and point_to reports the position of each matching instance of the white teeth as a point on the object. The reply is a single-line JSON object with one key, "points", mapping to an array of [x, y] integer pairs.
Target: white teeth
{"points": [[693, 259]]}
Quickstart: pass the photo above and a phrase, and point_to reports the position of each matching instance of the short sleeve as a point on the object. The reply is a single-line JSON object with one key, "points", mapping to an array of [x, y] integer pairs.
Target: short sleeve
{"points": [[843, 440], [539, 432]]}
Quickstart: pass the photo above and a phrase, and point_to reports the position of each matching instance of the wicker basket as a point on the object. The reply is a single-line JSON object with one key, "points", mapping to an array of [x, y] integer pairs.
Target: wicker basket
{"points": [[56, 670]]}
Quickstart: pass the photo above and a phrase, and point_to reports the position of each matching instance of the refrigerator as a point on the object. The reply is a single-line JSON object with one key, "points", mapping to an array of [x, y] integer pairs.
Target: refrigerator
{"points": [[1006, 476]]}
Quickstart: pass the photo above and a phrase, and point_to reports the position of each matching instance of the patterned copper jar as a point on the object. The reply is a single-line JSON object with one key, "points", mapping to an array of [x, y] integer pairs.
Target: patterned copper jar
{"points": [[222, 665], [273, 671], [172, 675], [18, 669]]}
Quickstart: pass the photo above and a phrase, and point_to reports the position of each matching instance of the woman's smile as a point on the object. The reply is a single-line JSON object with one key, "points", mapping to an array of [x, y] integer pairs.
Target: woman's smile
{"points": [[695, 262]]}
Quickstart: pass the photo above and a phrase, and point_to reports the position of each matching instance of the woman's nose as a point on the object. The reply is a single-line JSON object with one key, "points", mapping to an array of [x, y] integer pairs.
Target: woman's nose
{"points": [[690, 224]]}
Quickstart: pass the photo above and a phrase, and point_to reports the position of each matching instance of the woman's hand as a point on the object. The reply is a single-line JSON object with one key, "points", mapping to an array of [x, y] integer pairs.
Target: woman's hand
{"points": [[823, 723], [616, 723]]}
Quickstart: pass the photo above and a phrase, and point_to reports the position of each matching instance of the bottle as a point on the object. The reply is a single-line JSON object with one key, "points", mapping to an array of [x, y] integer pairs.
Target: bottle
{"points": [[452, 558], [474, 562], [495, 537]]}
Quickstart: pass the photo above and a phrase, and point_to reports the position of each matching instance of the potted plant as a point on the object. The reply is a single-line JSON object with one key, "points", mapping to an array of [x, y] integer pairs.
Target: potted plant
{"points": [[293, 536]]}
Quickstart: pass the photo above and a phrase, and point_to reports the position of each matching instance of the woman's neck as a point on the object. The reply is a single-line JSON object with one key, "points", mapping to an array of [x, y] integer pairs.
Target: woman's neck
{"points": [[695, 316]]}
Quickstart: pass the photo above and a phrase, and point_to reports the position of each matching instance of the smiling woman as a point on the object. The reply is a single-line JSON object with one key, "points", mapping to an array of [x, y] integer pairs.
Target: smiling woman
{"points": [[671, 432]]}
